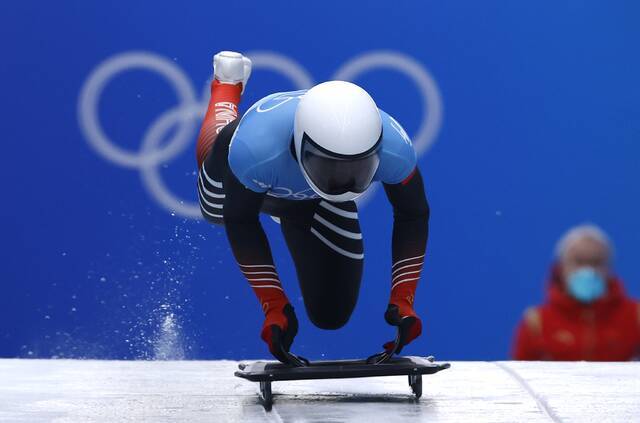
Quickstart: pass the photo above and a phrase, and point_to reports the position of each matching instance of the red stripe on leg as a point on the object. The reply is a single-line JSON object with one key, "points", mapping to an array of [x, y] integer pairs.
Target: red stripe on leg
{"points": [[222, 109]]}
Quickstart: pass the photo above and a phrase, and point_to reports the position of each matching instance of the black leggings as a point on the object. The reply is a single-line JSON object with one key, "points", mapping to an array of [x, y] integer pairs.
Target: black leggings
{"points": [[328, 260], [323, 237]]}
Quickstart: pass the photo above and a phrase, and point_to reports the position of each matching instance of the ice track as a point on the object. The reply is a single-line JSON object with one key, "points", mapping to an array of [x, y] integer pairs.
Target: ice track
{"points": [[207, 391]]}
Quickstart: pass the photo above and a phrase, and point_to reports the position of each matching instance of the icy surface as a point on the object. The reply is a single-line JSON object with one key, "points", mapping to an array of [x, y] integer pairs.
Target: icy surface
{"points": [[207, 391]]}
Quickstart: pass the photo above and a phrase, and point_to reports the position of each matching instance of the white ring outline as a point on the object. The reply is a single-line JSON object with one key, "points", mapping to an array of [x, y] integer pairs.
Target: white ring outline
{"points": [[297, 74], [150, 173], [88, 115]]}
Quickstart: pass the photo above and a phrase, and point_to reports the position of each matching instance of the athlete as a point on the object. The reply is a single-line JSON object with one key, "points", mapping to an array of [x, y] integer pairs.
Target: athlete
{"points": [[303, 157]]}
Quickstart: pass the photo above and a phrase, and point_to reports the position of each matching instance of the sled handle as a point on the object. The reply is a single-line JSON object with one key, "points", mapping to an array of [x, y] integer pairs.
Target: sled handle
{"points": [[385, 355], [296, 360]]}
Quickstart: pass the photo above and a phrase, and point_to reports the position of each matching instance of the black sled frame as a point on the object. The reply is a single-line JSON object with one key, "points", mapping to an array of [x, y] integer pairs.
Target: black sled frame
{"points": [[266, 372]]}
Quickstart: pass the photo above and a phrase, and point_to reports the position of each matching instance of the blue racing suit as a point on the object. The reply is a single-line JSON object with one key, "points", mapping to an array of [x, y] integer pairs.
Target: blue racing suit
{"points": [[252, 168], [260, 154]]}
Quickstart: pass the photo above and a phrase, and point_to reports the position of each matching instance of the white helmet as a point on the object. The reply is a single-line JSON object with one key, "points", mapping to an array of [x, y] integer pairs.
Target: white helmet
{"points": [[337, 133]]}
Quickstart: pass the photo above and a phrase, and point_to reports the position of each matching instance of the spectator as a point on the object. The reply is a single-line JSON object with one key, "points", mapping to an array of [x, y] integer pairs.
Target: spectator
{"points": [[587, 315]]}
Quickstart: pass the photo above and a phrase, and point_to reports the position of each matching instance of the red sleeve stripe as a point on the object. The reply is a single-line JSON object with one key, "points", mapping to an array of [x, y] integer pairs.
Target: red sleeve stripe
{"points": [[267, 286], [260, 280], [256, 265], [259, 273], [404, 274], [408, 178], [405, 260], [406, 267], [403, 281]]}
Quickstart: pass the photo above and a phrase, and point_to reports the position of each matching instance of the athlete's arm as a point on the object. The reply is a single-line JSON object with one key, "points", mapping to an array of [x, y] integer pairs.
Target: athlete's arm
{"points": [[252, 252], [410, 222], [408, 245]]}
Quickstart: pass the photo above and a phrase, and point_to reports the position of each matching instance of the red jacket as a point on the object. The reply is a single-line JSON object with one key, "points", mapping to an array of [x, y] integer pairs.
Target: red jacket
{"points": [[564, 329]]}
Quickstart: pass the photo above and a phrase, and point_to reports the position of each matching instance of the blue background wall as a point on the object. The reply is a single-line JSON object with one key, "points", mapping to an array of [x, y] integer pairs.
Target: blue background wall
{"points": [[540, 131]]}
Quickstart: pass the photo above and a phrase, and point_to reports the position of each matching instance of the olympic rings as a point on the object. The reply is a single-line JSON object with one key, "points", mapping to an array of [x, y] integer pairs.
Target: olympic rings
{"points": [[189, 110]]}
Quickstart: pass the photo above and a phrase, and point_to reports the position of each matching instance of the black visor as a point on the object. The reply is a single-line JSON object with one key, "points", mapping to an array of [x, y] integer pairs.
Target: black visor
{"points": [[334, 173]]}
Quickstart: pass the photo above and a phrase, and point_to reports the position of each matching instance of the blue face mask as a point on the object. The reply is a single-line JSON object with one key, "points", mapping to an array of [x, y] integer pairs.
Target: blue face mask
{"points": [[586, 285]]}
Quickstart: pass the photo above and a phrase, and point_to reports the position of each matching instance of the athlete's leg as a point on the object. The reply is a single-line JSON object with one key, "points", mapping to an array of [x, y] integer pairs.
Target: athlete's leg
{"points": [[210, 179], [222, 109], [327, 249], [231, 71]]}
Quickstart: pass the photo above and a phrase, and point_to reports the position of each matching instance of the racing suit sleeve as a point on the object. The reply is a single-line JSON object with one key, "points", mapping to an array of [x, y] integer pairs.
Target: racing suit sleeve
{"points": [[249, 242], [409, 238]]}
